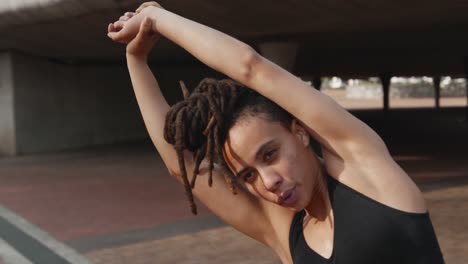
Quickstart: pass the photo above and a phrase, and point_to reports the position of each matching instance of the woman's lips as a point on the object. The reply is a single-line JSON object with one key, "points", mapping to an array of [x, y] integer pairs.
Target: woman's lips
{"points": [[289, 197]]}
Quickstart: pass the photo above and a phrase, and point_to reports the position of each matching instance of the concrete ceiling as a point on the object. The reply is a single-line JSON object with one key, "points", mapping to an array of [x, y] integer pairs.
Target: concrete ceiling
{"points": [[348, 37]]}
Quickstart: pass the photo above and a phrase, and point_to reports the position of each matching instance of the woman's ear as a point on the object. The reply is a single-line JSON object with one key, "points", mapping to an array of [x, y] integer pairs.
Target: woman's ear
{"points": [[298, 129]]}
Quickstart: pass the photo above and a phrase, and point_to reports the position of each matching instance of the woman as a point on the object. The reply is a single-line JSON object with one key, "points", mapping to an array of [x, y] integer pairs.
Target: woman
{"points": [[253, 134]]}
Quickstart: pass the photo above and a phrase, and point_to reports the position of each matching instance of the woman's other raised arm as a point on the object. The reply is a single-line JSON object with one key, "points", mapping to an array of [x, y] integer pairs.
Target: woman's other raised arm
{"points": [[240, 210]]}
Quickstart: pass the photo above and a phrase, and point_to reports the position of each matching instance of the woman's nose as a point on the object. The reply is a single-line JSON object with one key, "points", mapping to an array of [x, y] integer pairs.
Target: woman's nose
{"points": [[271, 180]]}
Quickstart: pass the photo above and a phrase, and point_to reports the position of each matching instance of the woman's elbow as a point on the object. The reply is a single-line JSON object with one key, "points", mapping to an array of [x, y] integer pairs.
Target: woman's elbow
{"points": [[249, 59]]}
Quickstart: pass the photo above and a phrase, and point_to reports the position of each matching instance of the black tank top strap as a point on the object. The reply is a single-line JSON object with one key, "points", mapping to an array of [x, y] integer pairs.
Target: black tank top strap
{"points": [[295, 231]]}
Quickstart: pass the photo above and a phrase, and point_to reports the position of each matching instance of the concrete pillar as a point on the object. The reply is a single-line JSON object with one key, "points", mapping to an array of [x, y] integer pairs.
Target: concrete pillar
{"points": [[281, 53], [436, 81], [385, 79], [466, 94], [7, 122], [466, 87], [317, 83], [60, 106], [49, 106]]}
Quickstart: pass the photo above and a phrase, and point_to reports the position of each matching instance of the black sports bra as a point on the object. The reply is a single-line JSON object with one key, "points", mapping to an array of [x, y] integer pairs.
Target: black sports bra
{"points": [[367, 231]]}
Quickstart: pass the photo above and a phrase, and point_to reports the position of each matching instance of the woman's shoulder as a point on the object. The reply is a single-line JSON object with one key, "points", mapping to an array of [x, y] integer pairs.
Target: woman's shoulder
{"points": [[281, 219]]}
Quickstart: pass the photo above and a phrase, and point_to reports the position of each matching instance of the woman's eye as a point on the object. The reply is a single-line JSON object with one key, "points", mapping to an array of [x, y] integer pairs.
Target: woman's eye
{"points": [[249, 176], [269, 155]]}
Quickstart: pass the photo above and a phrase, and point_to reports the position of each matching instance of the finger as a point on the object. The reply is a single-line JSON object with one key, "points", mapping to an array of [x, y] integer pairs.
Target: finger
{"points": [[126, 16], [116, 36], [113, 35], [145, 28], [110, 27], [118, 25], [141, 7], [146, 4], [144, 32], [146, 24]]}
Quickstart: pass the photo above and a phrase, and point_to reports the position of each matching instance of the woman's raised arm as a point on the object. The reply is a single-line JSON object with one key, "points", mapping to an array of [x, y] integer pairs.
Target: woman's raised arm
{"points": [[240, 210]]}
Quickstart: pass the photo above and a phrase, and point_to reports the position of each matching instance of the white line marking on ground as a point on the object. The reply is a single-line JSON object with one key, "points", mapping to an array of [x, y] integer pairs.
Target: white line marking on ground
{"points": [[8, 255], [44, 238]]}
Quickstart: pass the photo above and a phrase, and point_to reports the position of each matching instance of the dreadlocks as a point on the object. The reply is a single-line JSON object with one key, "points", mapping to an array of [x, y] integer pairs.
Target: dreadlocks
{"points": [[200, 124]]}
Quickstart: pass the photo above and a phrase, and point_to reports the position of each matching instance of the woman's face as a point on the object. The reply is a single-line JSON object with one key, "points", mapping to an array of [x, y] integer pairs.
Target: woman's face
{"points": [[275, 163]]}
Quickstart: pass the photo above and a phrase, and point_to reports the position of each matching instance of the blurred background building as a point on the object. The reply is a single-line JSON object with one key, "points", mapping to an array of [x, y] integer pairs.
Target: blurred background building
{"points": [[64, 85]]}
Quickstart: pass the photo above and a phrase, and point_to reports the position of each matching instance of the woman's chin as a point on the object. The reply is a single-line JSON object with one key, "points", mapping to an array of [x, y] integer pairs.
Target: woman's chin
{"points": [[297, 207]]}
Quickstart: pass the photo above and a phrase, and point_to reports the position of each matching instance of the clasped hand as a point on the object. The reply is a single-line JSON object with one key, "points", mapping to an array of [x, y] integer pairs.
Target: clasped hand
{"points": [[136, 30]]}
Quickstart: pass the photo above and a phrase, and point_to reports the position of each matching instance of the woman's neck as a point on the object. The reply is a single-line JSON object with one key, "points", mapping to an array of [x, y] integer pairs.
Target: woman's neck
{"points": [[320, 205]]}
